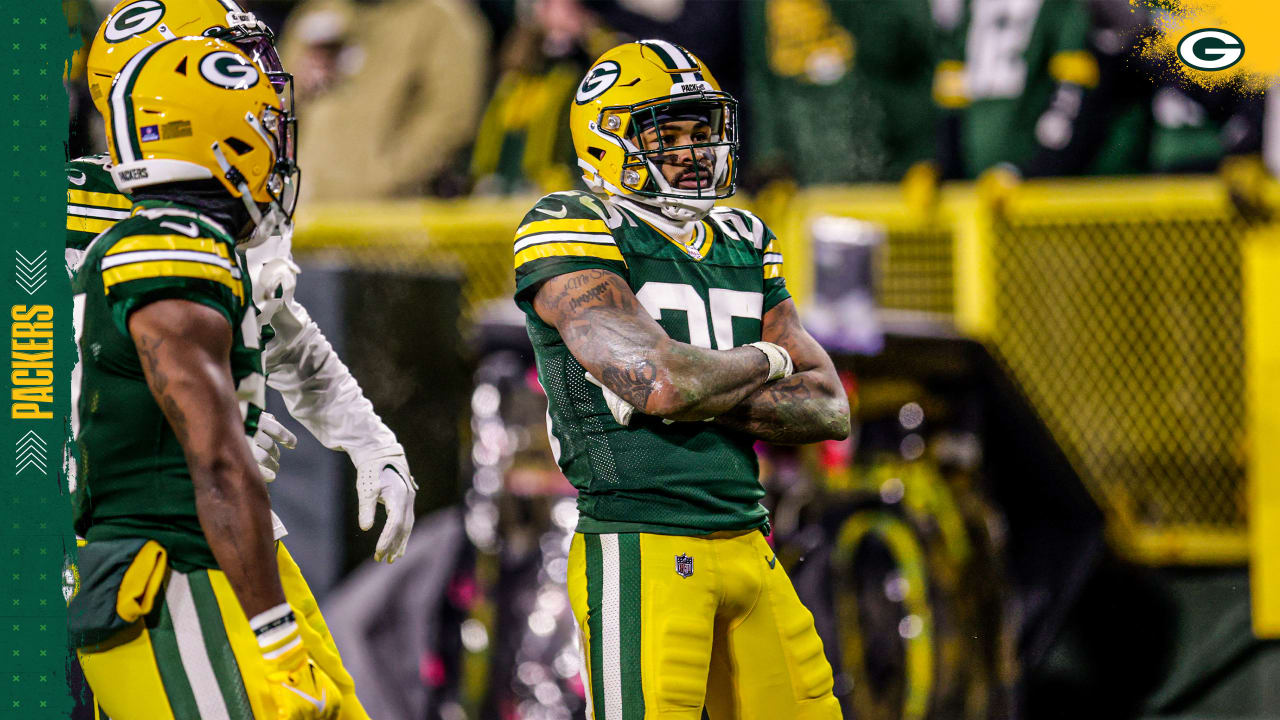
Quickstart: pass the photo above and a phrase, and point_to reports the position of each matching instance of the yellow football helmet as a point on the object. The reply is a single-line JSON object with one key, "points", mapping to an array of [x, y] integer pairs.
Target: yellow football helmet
{"points": [[197, 108], [135, 24], [637, 87]]}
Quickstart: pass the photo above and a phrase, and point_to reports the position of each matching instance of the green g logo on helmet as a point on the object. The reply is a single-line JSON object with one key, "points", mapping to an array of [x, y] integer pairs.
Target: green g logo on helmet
{"points": [[1210, 49], [228, 70], [600, 78], [133, 19]]}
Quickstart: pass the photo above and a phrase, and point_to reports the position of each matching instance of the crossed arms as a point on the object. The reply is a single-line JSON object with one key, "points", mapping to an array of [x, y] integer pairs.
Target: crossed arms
{"points": [[605, 327]]}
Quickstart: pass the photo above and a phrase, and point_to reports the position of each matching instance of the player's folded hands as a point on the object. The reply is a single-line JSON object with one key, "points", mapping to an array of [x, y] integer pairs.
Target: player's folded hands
{"points": [[620, 409]]}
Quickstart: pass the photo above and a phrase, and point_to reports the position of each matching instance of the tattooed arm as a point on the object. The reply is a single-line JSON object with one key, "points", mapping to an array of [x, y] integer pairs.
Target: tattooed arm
{"points": [[185, 350], [809, 406], [615, 339]]}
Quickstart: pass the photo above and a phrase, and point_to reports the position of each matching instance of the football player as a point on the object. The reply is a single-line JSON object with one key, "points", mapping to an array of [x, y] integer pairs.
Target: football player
{"points": [[667, 344], [181, 611], [316, 385]]}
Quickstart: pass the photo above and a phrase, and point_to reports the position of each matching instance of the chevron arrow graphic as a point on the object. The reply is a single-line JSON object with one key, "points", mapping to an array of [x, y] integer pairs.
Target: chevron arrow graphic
{"points": [[31, 451], [31, 273]]}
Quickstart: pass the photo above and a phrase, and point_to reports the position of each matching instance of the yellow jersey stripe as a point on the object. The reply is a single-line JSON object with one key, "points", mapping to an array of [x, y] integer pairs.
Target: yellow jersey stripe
{"points": [[169, 242], [114, 201], [171, 268], [87, 224], [772, 270], [568, 249], [579, 225]]}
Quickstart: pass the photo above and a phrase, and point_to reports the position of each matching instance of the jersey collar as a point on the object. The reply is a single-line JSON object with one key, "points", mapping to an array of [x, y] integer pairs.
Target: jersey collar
{"points": [[153, 209]]}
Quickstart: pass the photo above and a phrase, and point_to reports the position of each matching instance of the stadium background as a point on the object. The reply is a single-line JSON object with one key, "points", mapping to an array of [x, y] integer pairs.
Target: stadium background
{"points": [[1042, 265]]}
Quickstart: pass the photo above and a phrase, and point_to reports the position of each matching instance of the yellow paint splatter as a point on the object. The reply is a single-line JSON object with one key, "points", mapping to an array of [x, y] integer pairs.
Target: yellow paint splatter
{"points": [[1255, 22]]}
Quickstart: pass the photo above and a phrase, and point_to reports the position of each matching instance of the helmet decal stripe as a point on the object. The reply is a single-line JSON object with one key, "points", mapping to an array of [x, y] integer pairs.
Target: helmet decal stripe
{"points": [[123, 125], [231, 6], [691, 62], [674, 59]]}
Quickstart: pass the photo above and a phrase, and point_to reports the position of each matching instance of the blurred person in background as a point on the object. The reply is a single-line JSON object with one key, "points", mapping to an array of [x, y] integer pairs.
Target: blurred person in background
{"points": [[391, 91], [839, 91], [668, 344], [1040, 88], [523, 143]]}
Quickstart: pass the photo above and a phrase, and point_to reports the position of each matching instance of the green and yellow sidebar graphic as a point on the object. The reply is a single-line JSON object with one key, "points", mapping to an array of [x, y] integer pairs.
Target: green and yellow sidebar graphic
{"points": [[36, 539]]}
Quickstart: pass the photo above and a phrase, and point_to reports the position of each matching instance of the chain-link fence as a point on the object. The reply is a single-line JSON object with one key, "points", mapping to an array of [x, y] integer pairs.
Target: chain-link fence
{"points": [[1115, 305]]}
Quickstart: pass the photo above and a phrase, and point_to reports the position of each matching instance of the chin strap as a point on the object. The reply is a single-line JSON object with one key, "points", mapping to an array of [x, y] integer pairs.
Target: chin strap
{"points": [[264, 226], [659, 217]]}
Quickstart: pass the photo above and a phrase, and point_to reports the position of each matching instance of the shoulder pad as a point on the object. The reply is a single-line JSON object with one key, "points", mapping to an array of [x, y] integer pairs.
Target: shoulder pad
{"points": [[567, 204], [742, 225], [158, 248], [91, 173]]}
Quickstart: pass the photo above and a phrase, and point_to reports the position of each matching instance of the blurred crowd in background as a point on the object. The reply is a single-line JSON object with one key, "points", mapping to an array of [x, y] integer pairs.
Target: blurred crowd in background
{"points": [[410, 98]]}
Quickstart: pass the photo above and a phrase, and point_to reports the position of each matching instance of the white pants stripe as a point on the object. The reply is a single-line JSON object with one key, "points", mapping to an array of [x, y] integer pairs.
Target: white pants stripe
{"points": [[191, 647], [611, 626]]}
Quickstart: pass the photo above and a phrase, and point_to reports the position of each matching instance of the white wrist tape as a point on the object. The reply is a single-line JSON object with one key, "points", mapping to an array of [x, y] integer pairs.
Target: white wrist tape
{"points": [[779, 359], [272, 626]]}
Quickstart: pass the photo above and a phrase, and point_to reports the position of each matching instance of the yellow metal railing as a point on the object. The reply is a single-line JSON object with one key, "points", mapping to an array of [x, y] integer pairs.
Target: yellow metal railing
{"points": [[1122, 307]]}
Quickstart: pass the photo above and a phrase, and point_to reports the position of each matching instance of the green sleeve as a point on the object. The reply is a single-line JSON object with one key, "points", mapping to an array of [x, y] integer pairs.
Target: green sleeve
{"points": [[563, 233]]}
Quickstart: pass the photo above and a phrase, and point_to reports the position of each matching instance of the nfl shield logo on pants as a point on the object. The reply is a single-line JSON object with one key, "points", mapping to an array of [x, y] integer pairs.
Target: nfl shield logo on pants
{"points": [[684, 565]]}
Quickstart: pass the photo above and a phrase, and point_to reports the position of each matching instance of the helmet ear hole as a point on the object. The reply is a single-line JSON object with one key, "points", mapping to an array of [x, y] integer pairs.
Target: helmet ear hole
{"points": [[595, 152], [241, 147]]}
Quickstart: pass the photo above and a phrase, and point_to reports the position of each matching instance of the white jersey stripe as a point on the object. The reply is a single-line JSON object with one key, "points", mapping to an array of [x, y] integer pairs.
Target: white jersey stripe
{"points": [[546, 237], [137, 256], [191, 647], [95, 212], [611, 626]]}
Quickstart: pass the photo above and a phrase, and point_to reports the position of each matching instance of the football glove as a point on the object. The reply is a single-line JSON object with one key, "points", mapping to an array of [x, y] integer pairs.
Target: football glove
{"points": [[385, 479], [299, 689], [266, 442], [780, 365], [619, 408]]}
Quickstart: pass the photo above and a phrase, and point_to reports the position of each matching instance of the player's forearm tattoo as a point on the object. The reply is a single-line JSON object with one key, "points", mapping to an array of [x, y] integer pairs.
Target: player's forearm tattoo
{"points": [[149, 353], [607, 329], [809, 406], [793, 410], [634, 383]]}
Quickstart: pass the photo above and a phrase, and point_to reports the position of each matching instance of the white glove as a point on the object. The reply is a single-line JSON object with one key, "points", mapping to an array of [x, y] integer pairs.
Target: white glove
{"points": [[780, 364], [387, 480], [619, 408], [265, 445]]}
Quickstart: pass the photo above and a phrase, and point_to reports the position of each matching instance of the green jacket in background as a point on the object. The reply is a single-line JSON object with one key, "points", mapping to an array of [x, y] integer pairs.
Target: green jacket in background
{"points": [[838, 91]]}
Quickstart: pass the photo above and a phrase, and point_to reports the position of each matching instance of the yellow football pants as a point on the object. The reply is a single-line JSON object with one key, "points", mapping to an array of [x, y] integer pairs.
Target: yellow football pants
{"points": [[672, 624], [195, 658]]}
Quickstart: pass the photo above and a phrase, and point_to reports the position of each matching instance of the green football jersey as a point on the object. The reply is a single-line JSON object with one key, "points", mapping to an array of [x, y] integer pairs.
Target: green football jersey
{"points": [[132, 475], [93, 202], [684, 478]]}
